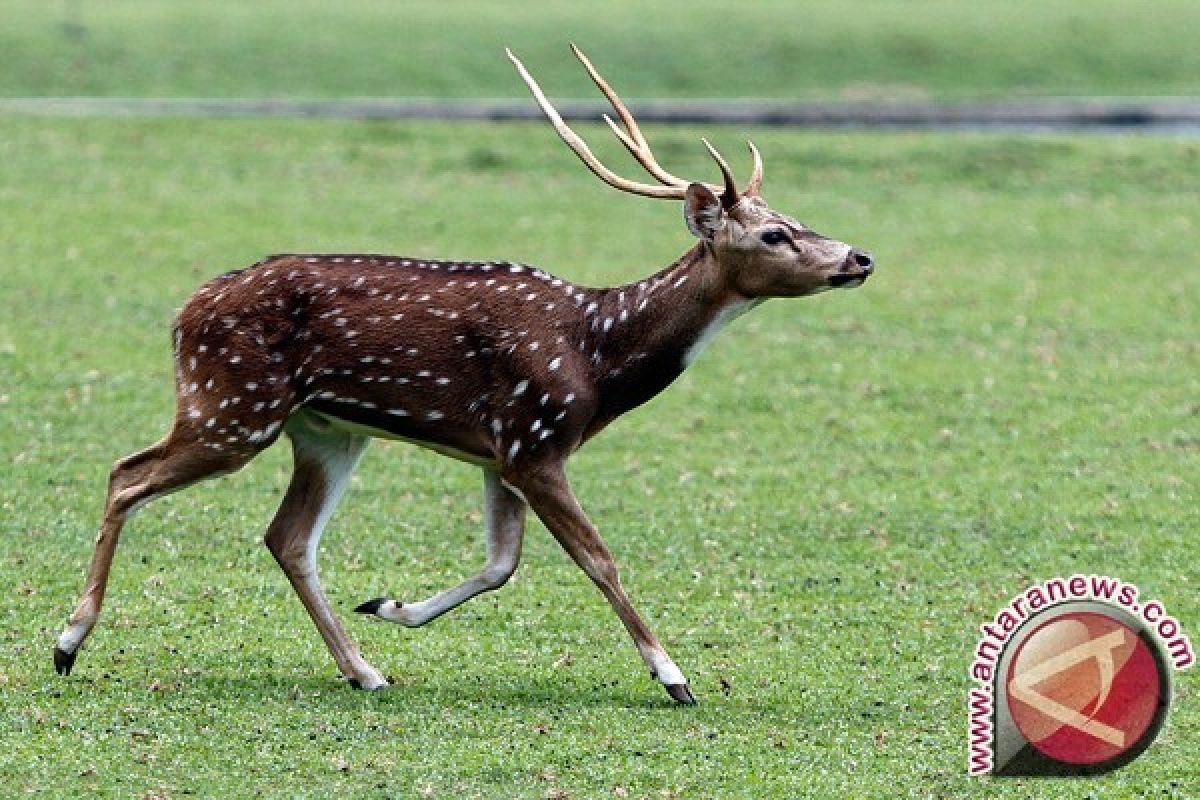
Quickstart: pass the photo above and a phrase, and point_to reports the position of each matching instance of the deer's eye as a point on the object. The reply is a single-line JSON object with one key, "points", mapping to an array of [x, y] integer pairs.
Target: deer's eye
{"points": [[774, 236]]}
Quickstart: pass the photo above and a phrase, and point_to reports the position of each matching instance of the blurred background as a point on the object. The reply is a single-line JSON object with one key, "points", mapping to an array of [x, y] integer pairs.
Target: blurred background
{"points": [[827, 49]]}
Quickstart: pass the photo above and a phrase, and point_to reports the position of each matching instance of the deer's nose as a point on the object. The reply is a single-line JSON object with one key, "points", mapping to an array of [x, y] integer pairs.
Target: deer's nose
{"points": [[863, 259]]}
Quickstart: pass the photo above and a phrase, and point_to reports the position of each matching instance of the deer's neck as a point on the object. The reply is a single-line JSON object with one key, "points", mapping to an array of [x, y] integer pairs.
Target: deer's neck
{"points": [[640, 337]]}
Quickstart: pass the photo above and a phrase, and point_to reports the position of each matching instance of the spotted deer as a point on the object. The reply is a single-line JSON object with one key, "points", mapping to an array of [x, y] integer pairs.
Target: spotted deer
{"points": [[494, 363]]}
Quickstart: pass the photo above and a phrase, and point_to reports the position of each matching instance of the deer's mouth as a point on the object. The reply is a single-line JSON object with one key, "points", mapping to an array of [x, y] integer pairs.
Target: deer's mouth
{"points": [[847, 280]]}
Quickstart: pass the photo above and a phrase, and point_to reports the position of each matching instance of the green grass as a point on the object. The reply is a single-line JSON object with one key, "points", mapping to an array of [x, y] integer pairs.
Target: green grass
{"points": [[775, 48], [815, 518]]}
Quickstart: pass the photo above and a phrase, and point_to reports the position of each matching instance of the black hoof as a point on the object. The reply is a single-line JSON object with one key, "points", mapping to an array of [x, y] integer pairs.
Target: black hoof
{"points": [[63, 661], [680, 693], [371, 606], [354, 684]]}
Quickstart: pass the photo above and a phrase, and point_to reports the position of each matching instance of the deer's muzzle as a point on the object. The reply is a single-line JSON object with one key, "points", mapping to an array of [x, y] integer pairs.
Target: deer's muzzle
{"points": [[857, 268]]}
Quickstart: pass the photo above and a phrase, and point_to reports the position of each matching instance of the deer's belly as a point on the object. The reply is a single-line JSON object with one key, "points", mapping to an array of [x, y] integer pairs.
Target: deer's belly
{"points": [[366, 428]]}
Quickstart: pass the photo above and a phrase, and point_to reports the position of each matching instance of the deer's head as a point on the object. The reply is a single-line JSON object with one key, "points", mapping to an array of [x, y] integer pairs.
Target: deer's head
{"points": [[760, 252]]}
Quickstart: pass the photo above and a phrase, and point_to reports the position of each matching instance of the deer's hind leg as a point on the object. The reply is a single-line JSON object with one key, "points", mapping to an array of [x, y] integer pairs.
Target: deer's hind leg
{"points": [[324, 458], [182, 458]]}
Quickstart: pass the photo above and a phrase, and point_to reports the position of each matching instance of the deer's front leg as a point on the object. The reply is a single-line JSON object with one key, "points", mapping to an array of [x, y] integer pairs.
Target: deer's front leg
{"points": [[504, 513], [551, 498]]}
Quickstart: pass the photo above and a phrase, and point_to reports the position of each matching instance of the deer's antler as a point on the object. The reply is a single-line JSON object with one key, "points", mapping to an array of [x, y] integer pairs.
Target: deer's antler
{"points": [[635, 142]]}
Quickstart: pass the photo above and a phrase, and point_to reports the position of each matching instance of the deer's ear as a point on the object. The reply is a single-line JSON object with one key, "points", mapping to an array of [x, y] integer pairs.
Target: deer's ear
{"points": [[702, 211]]}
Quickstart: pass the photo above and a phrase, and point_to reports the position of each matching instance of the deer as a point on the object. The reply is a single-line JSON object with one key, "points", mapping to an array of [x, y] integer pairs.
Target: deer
{"points": [[497, 364]]}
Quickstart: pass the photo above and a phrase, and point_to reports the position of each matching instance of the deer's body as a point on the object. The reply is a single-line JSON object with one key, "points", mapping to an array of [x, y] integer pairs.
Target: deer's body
{"points": [[497, 364], [492, 362]]}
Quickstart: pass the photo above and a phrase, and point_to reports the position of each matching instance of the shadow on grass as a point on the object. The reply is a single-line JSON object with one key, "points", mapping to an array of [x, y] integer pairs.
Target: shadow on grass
{"points": [[410, 694]]}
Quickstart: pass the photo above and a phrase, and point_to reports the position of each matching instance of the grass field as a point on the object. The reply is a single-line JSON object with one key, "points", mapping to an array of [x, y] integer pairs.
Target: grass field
{"points": [[815, 518], [772, 48]]}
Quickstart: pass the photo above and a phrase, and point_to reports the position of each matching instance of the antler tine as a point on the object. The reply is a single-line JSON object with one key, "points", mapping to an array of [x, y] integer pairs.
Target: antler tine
{"points": [[730, 196], [580, 148], [635, 142], [756, 176]]}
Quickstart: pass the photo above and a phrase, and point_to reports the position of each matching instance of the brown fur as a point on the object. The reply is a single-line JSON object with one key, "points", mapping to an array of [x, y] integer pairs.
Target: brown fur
{"points": [[499, 364]]}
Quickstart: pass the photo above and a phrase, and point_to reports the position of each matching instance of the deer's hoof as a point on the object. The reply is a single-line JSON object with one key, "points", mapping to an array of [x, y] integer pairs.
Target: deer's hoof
{"points": [[373, 684], [63, 661], [371, 606], [680, 693]]}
